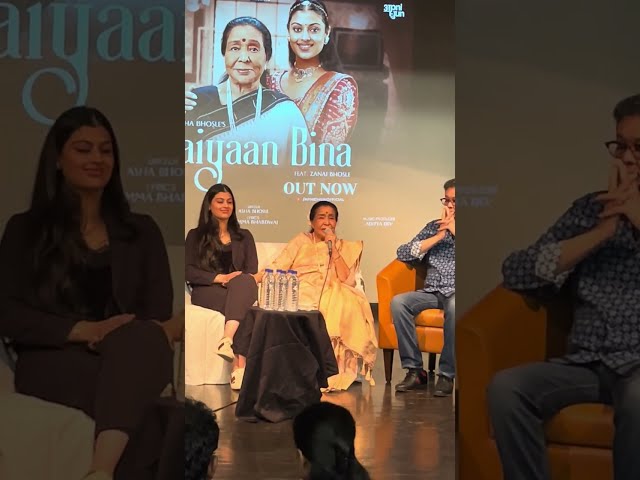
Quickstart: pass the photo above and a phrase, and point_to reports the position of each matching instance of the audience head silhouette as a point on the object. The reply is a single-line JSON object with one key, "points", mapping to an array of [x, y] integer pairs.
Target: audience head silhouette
{"points": [[200, 441], [324, 434]]}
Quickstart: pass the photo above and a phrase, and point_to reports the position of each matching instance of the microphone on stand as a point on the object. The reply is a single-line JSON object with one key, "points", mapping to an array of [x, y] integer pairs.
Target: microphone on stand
{"points": [[330, 245]]}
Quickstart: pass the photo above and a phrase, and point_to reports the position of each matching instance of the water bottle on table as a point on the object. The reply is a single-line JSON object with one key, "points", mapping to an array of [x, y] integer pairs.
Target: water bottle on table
{"points": [[281, 290], [267, 294], [293, 285]]}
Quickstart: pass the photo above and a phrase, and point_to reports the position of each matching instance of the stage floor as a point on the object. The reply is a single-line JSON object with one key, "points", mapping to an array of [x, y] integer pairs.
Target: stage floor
{"points": [[399, 435]]}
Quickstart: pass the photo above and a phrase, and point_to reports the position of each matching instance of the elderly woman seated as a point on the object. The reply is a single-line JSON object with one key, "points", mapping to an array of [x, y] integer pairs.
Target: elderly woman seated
{"points": [[327, 266]]}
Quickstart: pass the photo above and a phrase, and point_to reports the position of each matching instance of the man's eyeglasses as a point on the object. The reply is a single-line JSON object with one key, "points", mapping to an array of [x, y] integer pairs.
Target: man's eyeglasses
{"points": [[618, 149], [447, 201]]}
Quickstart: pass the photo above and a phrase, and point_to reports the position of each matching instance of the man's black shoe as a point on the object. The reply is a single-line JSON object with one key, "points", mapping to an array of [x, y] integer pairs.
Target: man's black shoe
{"points": [[444, 386], [416, 378]]}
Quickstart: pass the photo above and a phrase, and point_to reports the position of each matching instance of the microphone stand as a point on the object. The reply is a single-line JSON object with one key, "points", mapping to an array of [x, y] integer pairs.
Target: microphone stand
{"points": [[326, 275]]}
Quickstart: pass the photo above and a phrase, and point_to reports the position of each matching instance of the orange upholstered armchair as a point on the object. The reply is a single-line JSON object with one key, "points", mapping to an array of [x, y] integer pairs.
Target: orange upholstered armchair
{"points": [[503, 330], [395, 278]]}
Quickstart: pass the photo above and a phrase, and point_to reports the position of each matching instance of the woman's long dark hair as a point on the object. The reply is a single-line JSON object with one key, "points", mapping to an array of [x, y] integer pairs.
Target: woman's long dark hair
{"points": [[328, 56], [208, 230], [266, 41], [60, 248], [325, 434]]}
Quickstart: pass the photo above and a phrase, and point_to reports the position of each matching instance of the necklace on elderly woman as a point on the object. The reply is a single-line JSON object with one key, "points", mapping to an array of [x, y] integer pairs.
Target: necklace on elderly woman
{"points": [[300, 74], [232, 119]]}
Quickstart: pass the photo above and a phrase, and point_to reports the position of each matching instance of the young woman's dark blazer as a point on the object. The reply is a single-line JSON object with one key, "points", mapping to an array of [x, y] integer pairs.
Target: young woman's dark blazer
{"points": [[243, 253], [141, 280]]}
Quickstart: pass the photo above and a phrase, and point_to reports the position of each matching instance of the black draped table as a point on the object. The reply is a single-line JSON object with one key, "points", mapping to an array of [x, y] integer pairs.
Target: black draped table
{"points": [[289, 359]]}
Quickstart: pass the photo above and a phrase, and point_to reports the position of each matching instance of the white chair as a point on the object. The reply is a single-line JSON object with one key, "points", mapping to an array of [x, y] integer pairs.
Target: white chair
{"points": [[203, 330], [40, 439]]}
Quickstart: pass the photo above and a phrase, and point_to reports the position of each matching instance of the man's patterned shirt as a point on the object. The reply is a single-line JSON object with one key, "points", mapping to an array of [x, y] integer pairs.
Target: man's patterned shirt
{"points": [[605, 286]]}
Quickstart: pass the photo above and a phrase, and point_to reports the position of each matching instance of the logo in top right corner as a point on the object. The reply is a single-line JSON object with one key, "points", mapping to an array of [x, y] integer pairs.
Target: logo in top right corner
{"points": [[394, 11]]}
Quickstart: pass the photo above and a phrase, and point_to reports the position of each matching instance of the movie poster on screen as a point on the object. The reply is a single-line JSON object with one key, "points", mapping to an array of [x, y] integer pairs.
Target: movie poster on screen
{"points": [[294, 100]]}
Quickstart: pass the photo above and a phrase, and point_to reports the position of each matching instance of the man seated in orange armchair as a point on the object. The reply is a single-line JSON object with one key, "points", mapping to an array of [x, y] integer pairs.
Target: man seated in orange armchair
{"points": [[594, 251], [436, 246]]}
